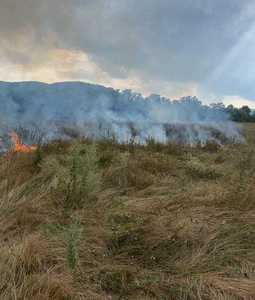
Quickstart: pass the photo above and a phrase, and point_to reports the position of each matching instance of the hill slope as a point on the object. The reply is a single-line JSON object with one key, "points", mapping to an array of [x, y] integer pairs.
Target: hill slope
{"points": [[95, 111], [108, 221]]}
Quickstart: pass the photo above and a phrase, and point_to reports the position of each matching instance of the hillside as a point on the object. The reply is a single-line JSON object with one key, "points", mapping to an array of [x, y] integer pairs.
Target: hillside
{"points": [[99, 111], [107, 221]]}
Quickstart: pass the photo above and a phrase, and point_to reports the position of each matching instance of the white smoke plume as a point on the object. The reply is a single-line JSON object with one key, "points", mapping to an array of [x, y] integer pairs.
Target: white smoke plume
{"points": [[100, 112]]}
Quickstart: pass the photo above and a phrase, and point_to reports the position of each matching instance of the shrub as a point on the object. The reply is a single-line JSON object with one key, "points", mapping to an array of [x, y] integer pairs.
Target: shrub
{"points": [[72, 238], [75, 174], [82, 174]]}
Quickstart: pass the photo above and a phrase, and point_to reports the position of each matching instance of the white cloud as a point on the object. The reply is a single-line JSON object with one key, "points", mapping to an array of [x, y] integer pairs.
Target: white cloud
{"points": [[238, 101]]}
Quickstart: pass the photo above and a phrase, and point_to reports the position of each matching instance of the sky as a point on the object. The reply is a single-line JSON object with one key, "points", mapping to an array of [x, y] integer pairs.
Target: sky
{"points": [[174, 48]]}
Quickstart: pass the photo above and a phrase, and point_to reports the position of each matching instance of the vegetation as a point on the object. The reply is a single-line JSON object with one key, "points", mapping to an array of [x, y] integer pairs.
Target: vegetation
{"points": [[80, 220], [243, 114]]}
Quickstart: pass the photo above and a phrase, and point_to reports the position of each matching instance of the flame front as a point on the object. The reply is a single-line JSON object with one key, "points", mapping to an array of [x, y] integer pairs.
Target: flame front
{"points": [[19, 146]]}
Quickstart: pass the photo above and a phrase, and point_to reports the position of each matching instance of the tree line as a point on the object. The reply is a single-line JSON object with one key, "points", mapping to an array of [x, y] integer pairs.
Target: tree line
{"points": [[243, 114]]}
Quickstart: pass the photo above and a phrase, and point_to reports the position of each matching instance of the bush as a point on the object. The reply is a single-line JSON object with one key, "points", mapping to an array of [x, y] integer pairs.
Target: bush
{"points": [[72, 238], [75, 174]]}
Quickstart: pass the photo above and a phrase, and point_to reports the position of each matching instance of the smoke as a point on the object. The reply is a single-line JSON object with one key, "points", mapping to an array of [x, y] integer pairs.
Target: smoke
{"points": [[62, 110]]}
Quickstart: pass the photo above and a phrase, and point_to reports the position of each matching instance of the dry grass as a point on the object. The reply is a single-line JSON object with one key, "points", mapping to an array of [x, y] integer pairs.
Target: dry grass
{"points": [[165, 222]]}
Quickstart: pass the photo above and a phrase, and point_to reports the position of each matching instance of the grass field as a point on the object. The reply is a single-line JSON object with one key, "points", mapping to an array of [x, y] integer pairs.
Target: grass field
{"points": [[108, 221]]}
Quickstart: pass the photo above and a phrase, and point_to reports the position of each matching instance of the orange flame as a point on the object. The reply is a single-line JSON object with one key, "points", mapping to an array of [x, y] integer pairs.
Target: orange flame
{"points": [[19, 146]]}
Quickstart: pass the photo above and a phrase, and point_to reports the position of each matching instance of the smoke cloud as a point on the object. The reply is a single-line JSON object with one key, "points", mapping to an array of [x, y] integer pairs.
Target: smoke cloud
{"points": [[64, 108]]}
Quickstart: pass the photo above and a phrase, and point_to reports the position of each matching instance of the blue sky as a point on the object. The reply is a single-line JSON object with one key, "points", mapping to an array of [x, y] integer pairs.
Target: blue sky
{"points": [[169, 47]]}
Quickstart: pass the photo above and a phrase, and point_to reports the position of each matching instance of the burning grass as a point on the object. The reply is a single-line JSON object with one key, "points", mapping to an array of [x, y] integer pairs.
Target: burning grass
{"points": [[80, 220], [18, 145]]}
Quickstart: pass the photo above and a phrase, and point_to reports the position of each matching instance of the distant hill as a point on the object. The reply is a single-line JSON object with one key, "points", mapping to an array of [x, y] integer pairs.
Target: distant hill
{"points": [[77, 104]]}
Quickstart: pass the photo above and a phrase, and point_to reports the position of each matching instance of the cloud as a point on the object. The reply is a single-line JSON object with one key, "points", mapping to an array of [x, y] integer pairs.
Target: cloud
{"points": [[65, 65], [238, 101], [178, 46]]}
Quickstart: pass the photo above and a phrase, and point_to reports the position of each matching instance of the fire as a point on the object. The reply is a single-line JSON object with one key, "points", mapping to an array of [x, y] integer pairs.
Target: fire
{"points": [[19, 146]]}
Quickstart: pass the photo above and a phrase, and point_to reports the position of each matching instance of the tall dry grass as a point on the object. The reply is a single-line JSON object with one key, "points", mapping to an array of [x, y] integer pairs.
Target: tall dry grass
{"points": [[107, 221]]}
